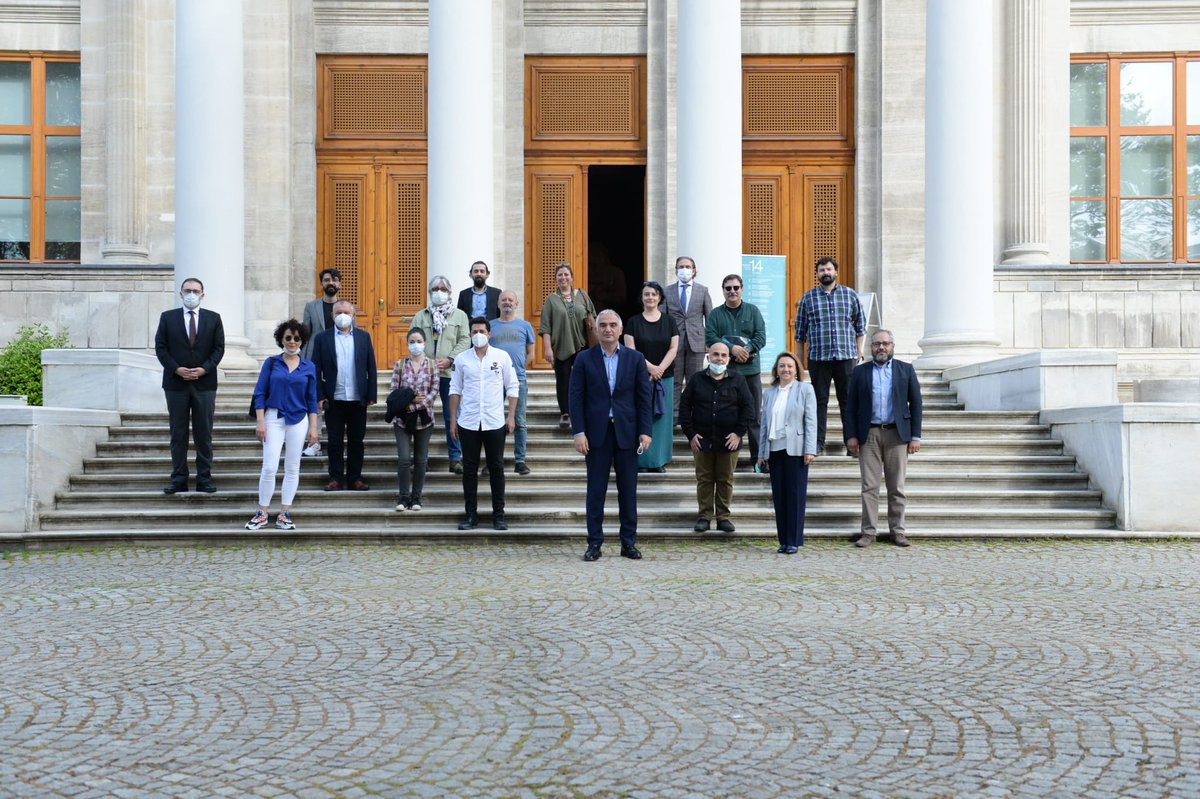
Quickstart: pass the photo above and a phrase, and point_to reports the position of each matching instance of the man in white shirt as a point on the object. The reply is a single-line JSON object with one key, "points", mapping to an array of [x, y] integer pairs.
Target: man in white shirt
{"points": [[482, 381]]}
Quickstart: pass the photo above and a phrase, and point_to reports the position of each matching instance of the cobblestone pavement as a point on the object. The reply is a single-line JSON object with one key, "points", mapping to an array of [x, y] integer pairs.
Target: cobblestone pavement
{"points": [[949, 669]]}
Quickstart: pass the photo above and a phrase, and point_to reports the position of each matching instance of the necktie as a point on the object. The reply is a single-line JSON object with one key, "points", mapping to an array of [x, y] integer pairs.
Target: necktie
{"points": [[191, 328], [683, 297]]}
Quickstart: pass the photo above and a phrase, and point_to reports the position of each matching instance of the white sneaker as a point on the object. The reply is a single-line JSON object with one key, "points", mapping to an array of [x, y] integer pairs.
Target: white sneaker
{"points": [[415, 506], [312, 451], [401, 507]]}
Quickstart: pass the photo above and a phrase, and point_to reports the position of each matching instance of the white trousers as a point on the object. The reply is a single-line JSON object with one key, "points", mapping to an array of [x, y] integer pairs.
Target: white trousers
{"points": [[280, 432]]}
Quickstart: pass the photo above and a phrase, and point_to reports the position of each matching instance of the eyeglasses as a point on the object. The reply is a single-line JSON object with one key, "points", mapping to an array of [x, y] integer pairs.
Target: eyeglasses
{"points": [[731, 288], [292, 338], [875, 344]]}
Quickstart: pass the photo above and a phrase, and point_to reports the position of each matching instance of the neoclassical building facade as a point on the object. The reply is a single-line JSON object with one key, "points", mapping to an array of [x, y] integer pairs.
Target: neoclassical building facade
{"points": [[1001, 176]]}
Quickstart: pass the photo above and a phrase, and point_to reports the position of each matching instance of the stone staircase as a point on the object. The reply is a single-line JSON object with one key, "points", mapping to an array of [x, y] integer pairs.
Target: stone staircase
{"points": [[978, 474]]}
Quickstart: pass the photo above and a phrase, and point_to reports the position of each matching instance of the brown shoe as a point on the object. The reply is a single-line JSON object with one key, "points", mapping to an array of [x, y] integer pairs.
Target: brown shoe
{"points": [[359, 485], [864, 541], [900, 540], [334, 485]]}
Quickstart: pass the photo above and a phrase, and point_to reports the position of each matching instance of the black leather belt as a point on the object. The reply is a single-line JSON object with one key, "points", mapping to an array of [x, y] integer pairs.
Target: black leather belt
{"points": [[885, 426]]}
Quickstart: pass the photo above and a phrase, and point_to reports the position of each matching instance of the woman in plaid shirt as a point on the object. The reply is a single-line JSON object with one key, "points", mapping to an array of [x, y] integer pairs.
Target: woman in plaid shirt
{"points": [[413, 428]]}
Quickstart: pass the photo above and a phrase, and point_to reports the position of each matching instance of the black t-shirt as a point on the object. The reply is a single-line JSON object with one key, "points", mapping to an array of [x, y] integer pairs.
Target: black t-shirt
{"points": [[651, 339], [327, 307]]}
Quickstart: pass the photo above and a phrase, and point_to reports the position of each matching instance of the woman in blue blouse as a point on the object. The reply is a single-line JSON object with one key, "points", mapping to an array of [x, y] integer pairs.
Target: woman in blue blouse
{"points": [[285, 403]]}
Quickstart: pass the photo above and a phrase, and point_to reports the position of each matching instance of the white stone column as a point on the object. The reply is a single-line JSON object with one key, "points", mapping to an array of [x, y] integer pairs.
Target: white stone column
{"points": [[461, 138], [1025, 217], [709, 136], [209, 162], [124, 123], [959, 219]]}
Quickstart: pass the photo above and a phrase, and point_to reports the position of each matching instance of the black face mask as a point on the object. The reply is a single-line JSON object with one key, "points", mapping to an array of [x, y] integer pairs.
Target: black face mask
{"points": [[331, 290], [479, 281]]}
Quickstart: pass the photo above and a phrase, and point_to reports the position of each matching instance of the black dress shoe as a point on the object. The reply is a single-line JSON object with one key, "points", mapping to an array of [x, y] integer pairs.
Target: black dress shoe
{"points": [[593, 553], [633, 553], [470, 522], [521, 468], [725, 526], [781, 551], [792, 550], [175, 488], [206, 488], [702, 525], [498, 522]]}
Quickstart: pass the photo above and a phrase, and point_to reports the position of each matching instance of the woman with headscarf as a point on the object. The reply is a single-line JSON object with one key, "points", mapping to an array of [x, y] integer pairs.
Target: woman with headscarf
{"points": [[449, 333]]}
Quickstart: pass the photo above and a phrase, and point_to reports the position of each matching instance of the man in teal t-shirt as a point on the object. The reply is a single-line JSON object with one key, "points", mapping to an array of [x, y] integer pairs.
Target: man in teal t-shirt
{"points": [[515, 336]]}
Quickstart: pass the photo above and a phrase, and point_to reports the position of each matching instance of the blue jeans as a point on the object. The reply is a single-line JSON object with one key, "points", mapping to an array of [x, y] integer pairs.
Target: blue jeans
{"points": [[521, 433], [452, 447]]}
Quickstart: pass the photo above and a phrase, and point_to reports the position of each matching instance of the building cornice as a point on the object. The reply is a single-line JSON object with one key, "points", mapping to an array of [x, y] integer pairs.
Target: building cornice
{"points": [[772, 13], [1144, 12], [585, 13], [384, 13], [50, 12]]}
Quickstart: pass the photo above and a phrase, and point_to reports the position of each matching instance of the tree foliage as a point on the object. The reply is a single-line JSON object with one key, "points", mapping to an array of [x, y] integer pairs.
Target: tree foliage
{"points": [[21, 360]]}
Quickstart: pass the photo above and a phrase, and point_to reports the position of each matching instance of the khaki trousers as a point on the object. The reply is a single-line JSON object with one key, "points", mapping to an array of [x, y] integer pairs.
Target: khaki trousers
{"points": [[714, 483], [884, 456]]}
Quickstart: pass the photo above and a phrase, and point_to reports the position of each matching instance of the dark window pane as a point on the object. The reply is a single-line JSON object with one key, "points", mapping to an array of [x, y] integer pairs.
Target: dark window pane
{"points": [[62, 93], [14, 230], [1146, 230], [1087, 166], [62, 230], [1088, 94], [14, 93], [1146, 166], [1087, 230]]}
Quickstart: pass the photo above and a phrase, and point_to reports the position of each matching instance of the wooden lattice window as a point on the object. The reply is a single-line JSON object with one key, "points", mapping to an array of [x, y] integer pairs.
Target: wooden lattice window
{"points": [[792, 104], [410, 260], [596, 100], [367, 101], [825, 227], [554, 233], [761, 212], [347, 223]]}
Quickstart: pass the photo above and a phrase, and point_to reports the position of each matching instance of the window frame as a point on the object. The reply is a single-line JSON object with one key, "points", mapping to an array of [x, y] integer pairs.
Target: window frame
{"points": [[1113, 131], [38, 132]]}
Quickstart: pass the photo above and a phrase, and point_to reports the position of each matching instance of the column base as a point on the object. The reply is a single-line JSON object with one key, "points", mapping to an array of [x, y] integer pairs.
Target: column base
{"points": [[124, 254], [1031, 254], [946, 350], [237, 354]]}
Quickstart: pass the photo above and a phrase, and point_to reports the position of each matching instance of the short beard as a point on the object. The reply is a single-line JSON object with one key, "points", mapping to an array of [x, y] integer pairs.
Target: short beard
{"points": [[479, 282], [825, 280], [331, 290], [881, 357]]}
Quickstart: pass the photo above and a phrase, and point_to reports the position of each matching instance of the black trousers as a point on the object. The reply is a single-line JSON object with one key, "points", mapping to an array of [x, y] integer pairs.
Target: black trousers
{"points": [[562, 382], [492, 443], [345, 420], [191, 409], [821, 372], [754, 381]]}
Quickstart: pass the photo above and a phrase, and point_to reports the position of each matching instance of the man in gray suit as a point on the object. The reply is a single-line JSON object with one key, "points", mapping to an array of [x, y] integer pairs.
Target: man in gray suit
{"points": [[689, 304], [318, 314]]}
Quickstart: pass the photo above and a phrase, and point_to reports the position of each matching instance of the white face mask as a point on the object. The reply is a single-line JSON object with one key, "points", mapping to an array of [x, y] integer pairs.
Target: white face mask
{"points": [[416, 348], [684, 275], [440, 297], [718, 369], [343, 321], [191, 300], [480, 340]]}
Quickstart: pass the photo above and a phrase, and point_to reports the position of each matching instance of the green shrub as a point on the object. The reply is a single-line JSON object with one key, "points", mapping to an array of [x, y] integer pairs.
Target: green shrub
{"points": [[21, 360]]}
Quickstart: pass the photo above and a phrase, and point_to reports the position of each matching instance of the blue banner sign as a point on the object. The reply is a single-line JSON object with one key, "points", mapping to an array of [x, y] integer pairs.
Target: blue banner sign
{"points": [[765, 280]]}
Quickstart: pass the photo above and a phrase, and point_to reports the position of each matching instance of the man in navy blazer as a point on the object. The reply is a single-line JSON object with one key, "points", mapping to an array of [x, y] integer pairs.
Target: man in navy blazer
{"points": [[883, 427], [611, 417], [480, 299], [189, 343], [346, 386]]}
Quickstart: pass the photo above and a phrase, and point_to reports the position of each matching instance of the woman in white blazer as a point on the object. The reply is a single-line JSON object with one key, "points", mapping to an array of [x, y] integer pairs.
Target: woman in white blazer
{"points": [[788, 442]]}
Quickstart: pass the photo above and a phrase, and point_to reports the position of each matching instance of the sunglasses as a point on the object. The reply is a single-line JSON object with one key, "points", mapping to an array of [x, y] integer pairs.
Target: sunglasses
{"points": [[731, 288], [292, 338]]}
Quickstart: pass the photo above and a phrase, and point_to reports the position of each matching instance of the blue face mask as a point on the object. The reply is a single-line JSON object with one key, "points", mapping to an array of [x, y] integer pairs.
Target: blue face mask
{"points": [[718, 369]]}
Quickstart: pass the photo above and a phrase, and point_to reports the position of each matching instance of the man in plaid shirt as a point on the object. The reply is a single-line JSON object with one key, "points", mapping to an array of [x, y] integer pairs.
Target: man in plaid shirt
{"points": [[830, 320]]}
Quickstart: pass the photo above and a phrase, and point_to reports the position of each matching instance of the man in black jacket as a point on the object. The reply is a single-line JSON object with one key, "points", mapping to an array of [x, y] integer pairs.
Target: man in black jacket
{"points": [[480, 299], [189, 343], [716, 410]]}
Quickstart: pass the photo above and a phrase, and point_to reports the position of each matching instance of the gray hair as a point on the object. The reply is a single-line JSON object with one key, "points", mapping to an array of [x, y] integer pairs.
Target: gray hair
{"points": [[433, 281], [891, 337], [611, 312]]}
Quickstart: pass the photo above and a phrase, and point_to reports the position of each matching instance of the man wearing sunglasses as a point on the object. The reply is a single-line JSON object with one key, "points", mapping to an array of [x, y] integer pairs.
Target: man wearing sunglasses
{"points": [[741, 327]]}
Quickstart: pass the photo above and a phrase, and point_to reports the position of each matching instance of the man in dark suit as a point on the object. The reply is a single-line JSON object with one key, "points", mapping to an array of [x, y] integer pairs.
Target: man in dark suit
{"points": [[611, 417], [318, 313], [883, 427], [346, 387], [689, 304], [189, 343], [479, 299]]}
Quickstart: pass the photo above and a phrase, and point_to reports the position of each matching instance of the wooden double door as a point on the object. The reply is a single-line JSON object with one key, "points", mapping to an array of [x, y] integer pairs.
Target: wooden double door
{"points": [[372, 228]]}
